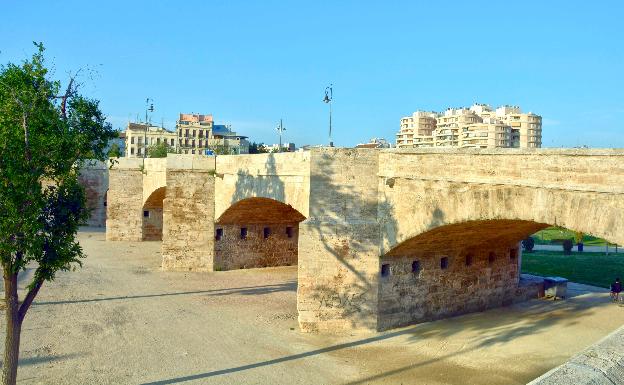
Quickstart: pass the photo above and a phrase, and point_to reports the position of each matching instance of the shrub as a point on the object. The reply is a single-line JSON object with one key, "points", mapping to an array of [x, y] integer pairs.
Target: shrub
{"points": [[528, 244], [567, 246]]}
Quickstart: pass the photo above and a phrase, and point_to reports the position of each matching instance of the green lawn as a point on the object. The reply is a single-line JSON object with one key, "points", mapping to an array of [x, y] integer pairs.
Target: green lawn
{"points": [[595, 269], [554, 235]]}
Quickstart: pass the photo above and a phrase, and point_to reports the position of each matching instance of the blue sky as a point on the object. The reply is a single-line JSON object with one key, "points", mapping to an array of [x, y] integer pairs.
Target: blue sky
{"points": [[250, 63]]}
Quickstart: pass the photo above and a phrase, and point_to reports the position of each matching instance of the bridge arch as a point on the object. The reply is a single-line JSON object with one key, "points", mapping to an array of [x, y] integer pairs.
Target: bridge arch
{"points": [[454, 248], [152, 222], [419, 207], [257, 232]]}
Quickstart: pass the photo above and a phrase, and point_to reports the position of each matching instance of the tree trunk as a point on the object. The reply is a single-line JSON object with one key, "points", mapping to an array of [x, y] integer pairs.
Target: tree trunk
{"points": [[13, 330]]}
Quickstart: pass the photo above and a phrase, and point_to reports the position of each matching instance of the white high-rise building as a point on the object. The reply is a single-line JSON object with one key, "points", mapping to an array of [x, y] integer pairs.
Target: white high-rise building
{"points": [[479, 126]]}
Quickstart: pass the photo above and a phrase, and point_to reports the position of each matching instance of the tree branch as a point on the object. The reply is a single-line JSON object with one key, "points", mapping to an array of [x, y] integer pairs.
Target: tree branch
{"points": [[32, 293]]}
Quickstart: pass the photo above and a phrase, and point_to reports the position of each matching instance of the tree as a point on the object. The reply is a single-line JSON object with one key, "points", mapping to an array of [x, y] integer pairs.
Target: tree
{"points": [[257, 148], [528, 244], [46, 134], [221, 149], [115, 151], [159, 150]]}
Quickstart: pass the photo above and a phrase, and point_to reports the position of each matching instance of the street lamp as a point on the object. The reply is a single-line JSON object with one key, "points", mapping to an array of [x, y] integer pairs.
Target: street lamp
{"points": [[149, 106], [280, 129], [328, 100]]}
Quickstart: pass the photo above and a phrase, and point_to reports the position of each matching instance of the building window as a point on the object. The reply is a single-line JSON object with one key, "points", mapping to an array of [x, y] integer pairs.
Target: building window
{"points": [[243, 233], [468, 259], [385, 270], [157, 140], [416, 267], [186, 133], [132, 140], [289, 232], [267, 232], [172, 142], [444, 263], [132, 151], [219, 234], [491, 257], [146, 213]]}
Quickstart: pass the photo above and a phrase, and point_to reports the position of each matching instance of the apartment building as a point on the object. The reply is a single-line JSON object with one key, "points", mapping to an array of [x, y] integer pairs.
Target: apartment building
{"points": [[479, 126], [140, 136], [417, 130], [197, 134]]}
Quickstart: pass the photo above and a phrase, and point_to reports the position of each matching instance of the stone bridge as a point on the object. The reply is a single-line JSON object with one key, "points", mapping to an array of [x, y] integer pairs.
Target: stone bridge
{"points": [[381, 238]]}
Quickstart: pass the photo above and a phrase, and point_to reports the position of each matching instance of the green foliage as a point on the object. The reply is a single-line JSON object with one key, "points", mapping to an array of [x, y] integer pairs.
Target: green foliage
{"points": [[45, 135], [159, 150], [528, 244], [589, 268], [114, 151], [257, 148], [218, 149]]}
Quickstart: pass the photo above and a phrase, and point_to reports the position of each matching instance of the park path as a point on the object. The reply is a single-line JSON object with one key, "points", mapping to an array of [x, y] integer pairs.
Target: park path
{"points": [[592, 249]]}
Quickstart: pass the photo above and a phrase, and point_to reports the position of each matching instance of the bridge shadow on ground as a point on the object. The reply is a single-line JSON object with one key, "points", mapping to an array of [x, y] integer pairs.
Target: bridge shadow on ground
{"points": [[486, 329], [246, 290]]}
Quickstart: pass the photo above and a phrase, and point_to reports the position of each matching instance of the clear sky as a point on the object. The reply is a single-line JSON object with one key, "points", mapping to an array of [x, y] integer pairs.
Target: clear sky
{"points": [[250, 63]]}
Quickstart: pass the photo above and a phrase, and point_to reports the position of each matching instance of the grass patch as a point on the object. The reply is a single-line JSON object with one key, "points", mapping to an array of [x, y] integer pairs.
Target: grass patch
{"points": [[554, 235], [595, 269]]}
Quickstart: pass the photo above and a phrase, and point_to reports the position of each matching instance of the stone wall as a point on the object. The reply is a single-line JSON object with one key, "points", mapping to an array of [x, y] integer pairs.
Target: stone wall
{"points": [[93, 177], [152, 223], [339, 243], [188, 231], [417, 288], [235, 250], [125, 202]]}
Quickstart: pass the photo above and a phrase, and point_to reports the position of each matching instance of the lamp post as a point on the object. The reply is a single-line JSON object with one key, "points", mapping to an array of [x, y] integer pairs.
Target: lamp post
{"points": [[328, 100], [149, 106], [280, 129]]}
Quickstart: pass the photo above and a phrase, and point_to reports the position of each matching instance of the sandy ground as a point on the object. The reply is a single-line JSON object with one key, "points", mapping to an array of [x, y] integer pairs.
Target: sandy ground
{"points": [[120, 320]]}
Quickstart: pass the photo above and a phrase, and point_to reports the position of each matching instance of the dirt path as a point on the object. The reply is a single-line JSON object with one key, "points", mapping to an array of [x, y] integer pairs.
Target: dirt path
{"points": [[120, 320]]}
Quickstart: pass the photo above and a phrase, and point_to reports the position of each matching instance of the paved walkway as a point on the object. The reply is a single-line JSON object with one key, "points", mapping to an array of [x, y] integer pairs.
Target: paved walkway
{"points": [[593, 249], [121, 320]]}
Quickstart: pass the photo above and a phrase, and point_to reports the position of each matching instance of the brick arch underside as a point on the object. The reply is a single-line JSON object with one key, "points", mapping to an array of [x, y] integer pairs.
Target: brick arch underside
{"points": [[257, 232], [155, 200], [467, 236], [152, 226], [260, 210]]}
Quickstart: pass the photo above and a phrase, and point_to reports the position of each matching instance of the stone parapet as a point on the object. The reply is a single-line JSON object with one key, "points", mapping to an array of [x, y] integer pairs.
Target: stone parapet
{"points": [[600, 364]]}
